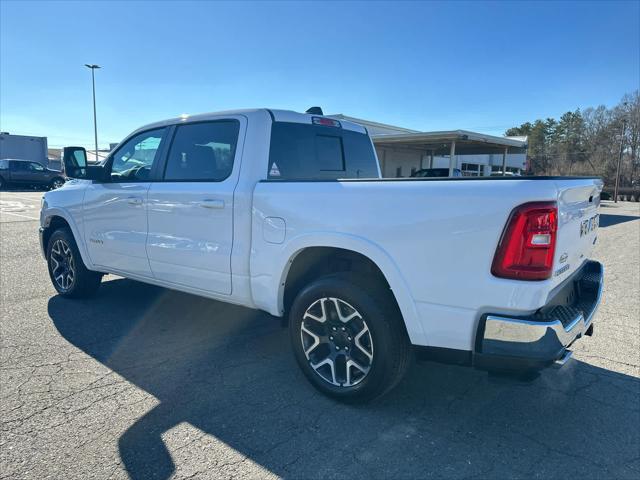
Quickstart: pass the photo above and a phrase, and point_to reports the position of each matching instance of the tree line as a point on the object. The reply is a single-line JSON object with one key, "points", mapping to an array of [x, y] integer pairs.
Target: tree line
{"points": [[587, 142]]}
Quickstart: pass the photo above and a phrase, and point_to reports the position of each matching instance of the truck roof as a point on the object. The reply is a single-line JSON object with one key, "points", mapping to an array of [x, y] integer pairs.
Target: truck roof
{"points": [[276, 116]]}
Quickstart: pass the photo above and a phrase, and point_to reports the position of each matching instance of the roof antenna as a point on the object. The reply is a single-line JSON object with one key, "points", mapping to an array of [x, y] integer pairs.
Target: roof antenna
{"points": [[315, 111]]}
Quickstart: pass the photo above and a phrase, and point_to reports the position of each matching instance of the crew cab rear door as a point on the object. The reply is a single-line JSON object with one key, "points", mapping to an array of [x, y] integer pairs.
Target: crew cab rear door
{"points": [[21, 172], [190, 211]]}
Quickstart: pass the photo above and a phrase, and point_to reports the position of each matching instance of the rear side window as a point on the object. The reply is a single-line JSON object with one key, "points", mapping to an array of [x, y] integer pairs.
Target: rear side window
{"points": [[4, 164], [315, 152], [202, 152], [19, 166]]}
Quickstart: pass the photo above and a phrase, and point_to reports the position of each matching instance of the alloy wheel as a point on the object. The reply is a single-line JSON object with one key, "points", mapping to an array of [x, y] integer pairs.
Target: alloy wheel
{"points": [[63, 268], [57, 184], [337, 342]]}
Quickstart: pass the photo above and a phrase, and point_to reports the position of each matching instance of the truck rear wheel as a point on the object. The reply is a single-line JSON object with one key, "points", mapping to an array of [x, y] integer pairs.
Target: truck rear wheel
{"points": [[67, 271], [348, 340]]}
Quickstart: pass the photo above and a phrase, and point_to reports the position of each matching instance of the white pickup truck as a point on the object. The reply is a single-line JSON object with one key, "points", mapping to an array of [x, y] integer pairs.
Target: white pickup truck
{"points": [[287, 213]]}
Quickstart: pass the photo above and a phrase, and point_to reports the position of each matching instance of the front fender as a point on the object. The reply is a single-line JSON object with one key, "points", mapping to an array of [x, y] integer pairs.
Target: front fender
{"points": [[48, 213], [270, 265]]}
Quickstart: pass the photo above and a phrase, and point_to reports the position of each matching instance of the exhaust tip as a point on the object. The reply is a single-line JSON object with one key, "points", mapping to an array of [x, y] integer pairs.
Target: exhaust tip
{"points": [[566, 356]]}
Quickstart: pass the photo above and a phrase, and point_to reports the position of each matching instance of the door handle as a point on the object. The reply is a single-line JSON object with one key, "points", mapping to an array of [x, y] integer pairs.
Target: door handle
{"points": [[134, 201], [211, 203]]}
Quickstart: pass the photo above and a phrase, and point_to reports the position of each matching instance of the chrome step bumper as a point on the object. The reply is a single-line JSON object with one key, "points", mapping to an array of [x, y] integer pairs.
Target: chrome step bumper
{"points": [[539, 340]]}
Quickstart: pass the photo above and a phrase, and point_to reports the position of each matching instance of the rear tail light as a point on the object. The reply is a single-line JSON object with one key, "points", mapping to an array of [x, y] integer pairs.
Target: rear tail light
{"points": [[528, 243]]}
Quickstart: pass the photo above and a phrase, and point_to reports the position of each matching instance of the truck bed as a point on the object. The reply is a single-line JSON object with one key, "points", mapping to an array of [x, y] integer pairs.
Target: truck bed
{"points": [[438, 235]]}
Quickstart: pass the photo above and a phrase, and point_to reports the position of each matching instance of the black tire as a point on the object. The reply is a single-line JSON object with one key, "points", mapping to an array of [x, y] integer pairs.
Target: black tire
{"points": [[56, 183], [70, 277], [391, 351]]}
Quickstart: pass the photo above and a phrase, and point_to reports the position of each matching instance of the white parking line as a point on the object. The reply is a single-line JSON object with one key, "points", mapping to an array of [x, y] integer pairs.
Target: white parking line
{"points": [[21, 197], [33, 199], [18, 215]]}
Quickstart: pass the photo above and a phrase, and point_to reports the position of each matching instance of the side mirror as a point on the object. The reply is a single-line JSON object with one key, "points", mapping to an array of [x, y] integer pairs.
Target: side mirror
{"points": [[74, 160]]}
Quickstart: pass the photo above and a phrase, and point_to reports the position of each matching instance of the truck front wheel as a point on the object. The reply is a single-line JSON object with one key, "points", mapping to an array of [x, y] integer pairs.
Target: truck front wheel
{"points": [[67, 271], [56, 183], [348, 339]]}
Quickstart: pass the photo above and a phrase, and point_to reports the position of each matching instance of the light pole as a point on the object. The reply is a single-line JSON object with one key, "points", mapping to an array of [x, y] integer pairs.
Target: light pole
{"points": [[95, 121]]}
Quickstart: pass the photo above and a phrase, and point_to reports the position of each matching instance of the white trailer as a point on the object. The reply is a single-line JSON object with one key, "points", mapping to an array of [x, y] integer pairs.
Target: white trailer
{"points": [[24, 147]]}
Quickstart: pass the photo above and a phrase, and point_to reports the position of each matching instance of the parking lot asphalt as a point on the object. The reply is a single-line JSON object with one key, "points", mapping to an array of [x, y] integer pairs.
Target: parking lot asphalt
{"points": [[141, 382]]}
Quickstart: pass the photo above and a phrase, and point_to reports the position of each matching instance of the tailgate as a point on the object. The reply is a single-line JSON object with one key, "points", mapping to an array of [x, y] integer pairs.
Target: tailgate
{"points": [[578, 218]]}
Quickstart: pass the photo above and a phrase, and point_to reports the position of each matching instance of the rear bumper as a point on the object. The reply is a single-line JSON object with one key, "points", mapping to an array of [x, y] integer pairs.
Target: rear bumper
{"points": [[542, 339]]}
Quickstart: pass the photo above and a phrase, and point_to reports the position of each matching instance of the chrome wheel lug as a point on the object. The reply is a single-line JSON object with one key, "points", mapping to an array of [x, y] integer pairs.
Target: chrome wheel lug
{"points": [[337, 347], [330, 338], [343, 329]]}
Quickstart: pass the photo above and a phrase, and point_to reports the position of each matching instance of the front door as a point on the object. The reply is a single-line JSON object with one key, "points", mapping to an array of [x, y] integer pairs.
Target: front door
{"points": [[38, 173], [115, 211], [191, 209]]}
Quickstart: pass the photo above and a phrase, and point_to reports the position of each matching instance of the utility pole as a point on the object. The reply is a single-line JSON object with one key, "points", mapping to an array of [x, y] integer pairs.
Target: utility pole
{"points": [[95, 121], [624, 126]]}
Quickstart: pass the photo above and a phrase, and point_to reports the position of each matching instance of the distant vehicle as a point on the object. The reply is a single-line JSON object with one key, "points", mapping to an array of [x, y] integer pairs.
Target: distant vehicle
{"points": [[506, 174], [287, 213], [436, 172], [28, 173]]}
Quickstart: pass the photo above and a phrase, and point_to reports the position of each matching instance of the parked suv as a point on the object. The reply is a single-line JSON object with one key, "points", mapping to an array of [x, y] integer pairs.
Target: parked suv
{"points": [[26, 172]]}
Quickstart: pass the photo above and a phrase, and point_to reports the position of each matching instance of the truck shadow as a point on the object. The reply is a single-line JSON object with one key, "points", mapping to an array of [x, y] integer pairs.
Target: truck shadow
{"points": [[228, 371], [607, 220]]}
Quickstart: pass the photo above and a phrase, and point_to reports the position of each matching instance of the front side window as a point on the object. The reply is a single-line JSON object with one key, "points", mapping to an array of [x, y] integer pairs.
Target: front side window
{"points": [[36, 167], [133, 161], [4, 164], [202, 152]]}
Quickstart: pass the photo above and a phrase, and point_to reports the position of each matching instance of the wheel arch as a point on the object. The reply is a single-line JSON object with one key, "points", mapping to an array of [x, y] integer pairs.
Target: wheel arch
{"points": [[310, 254], [57, 218], [57, 177]]}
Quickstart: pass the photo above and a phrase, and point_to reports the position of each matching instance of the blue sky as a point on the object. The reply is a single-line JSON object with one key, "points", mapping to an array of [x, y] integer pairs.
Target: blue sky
{"points": [[425, 65]]}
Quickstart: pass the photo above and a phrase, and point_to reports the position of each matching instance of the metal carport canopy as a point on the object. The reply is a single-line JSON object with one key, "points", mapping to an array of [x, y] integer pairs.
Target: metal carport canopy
{"points": [[452, 143], [440, 143]]}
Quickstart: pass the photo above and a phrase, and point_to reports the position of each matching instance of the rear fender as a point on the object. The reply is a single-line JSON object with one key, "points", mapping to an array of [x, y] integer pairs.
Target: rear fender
{"points": [[271, 293]]}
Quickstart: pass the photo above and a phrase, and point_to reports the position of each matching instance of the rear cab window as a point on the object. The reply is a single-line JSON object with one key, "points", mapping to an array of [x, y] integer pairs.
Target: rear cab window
{"points": [[301, 151]]}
